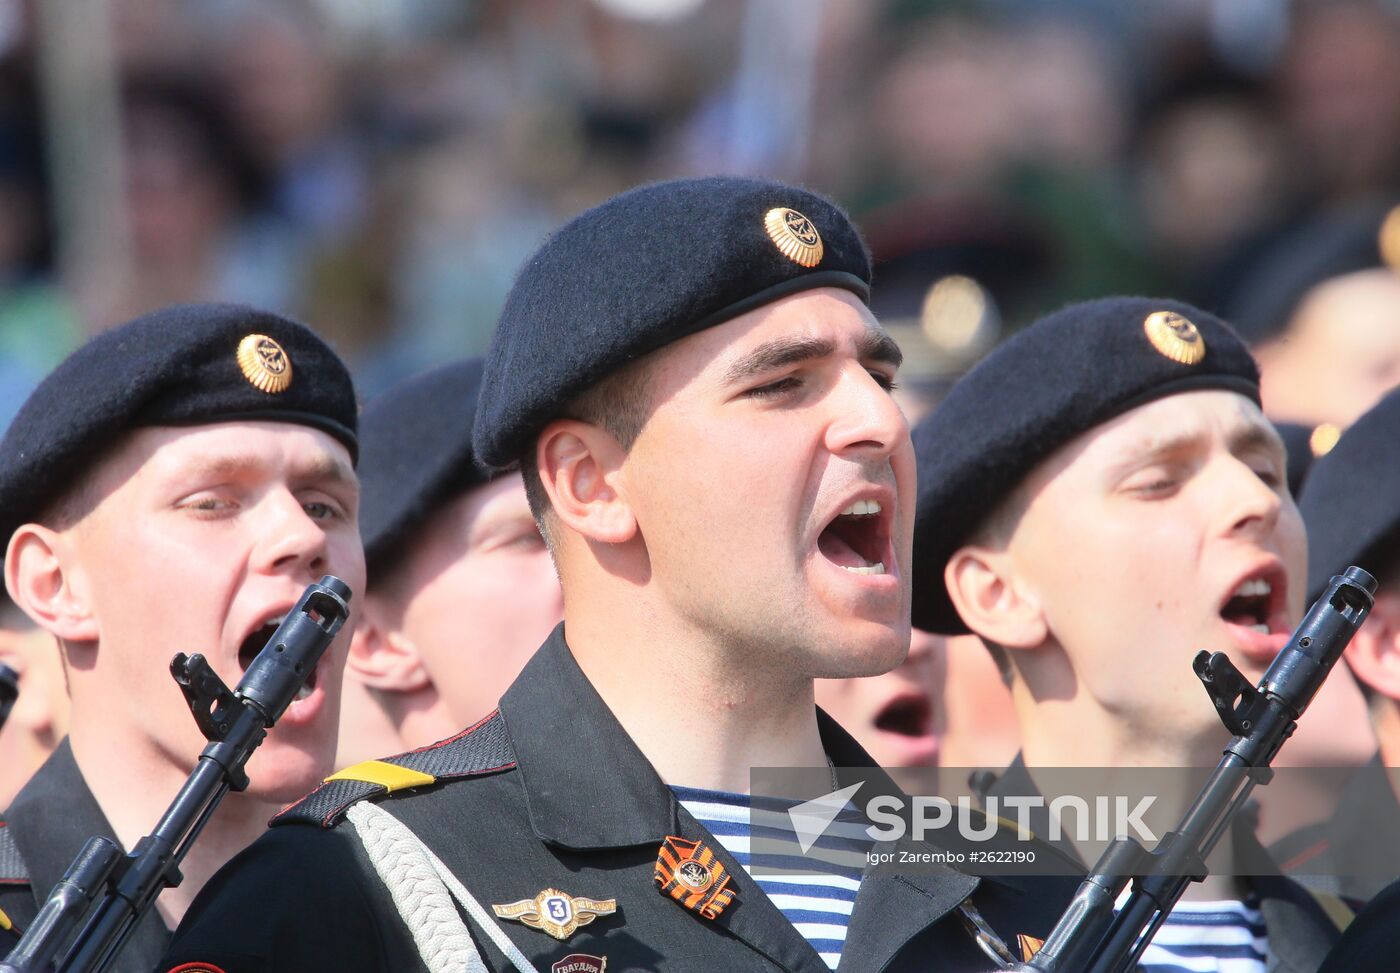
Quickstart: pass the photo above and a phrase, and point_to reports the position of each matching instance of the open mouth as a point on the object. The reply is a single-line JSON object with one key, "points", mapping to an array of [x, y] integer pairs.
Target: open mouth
{"points": [[858, 539], [1256, 604], [255, 642], [910, 716]]}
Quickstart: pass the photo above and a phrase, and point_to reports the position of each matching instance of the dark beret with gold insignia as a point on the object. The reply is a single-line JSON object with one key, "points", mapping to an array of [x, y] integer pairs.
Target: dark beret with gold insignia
{"points": [[415, 453], [1061, 376], [181, 366], [1349, 499], [642, 270], [1342, 241], [1304, 445]]}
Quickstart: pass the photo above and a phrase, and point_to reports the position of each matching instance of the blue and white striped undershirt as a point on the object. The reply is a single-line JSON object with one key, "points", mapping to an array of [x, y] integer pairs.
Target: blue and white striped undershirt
{"points": [[816, 891], [1197, 937], [1210, 937]]}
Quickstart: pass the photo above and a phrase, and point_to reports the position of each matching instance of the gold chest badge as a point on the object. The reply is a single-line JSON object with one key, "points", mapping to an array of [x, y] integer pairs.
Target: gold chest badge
{"points": [[794, 235], [264, 364], [1175, 337], [1389, 239], [557, 913]]}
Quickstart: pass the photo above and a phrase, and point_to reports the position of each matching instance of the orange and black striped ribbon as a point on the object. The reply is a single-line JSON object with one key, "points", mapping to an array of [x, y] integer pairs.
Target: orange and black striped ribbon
{"points": [[716, 894]]}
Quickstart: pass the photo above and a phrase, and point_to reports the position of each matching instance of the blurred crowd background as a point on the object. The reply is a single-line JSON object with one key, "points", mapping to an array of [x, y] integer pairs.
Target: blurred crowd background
{"points": [[380, 168]]}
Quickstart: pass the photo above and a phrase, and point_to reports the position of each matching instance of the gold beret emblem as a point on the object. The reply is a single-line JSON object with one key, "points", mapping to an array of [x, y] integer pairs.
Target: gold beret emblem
{"points": [[265, 365], [1389, 241], [1175, 337], [1323, 438], [794, 235]]}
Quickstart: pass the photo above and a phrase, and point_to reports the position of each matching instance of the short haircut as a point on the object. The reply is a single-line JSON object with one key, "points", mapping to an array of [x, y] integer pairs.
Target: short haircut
{"points": [[619, 403]]}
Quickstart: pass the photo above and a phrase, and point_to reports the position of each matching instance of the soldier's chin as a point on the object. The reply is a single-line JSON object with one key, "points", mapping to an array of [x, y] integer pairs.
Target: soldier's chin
{"points": [[281, 775], [866, 648]]}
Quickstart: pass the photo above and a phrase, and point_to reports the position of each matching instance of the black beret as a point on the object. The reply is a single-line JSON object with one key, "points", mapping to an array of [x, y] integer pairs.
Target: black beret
{"points": [[416, 451], [1061, 376], [1351, 499], [1359, 237], [184, 365], [642, 270], [1304, 444]]}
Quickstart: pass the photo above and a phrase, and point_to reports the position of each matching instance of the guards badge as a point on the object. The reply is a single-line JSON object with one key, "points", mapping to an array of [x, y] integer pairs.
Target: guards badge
{"points": [[556, 913]]}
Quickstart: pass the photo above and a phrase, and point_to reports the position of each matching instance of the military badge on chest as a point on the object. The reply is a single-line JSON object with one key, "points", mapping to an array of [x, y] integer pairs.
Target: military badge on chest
{"points": [[689, 872], [580, 963], [556, 913]]}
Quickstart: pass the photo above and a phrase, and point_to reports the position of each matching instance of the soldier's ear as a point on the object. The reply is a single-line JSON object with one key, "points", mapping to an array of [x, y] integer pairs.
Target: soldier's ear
{"points": [[992, 600], [382, 657], [580, 465], [43, 579], [1374, 651]]}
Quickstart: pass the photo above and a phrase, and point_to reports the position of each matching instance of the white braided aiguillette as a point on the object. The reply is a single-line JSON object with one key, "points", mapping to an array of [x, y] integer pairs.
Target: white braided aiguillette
{"points": [[419, 883]]}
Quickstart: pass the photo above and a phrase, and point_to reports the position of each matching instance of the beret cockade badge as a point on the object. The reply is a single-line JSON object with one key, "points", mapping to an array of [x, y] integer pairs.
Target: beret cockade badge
{"points": [[794, 235], [1175, 337], [1388, 240], [265, 364], [1323, 438]]}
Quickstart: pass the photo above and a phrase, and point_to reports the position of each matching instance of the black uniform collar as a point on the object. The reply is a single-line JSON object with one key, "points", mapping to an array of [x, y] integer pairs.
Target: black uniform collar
{"points": [[598, 790], [1016, 781], [1300, 933], [590, 791], [51, 819], [1368, 810], [48, 841]]}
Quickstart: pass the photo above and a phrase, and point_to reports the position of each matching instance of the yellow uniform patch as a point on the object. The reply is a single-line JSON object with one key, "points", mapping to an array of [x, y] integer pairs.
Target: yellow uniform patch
{"points": [[389, 776]]}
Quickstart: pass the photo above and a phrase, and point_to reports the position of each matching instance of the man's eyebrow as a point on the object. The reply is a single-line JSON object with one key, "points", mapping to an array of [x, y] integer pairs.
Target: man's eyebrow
{"points": [[1155, 449], [873, 345], [1255, 436], [877, 345], [233, 465], [222, 467], [1242, 439], [328, 467], [777, 353]]}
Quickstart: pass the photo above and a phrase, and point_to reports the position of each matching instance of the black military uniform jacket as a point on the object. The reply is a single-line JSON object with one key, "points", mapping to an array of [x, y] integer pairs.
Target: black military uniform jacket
{"points": [[1302, 926], [550, 792], [45, 828], [1356, 852]]}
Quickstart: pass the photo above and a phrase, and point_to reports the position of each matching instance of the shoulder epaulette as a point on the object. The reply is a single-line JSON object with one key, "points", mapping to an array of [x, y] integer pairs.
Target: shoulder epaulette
{"points": [[13, 871], [1338, 909], [481, 748]]}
